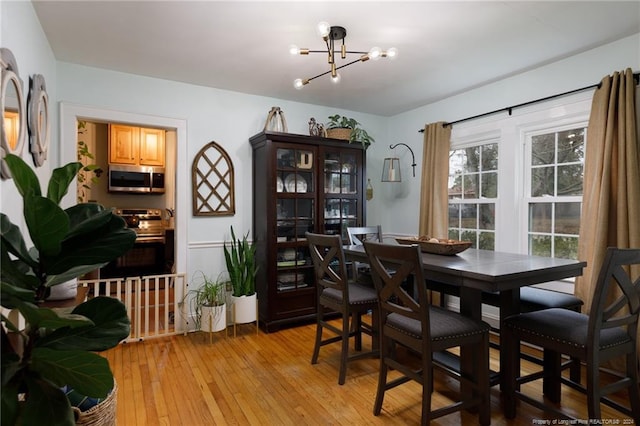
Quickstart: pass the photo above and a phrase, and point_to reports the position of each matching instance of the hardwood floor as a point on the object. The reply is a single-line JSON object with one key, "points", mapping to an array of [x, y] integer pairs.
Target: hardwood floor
{"points": [[268, 379]]}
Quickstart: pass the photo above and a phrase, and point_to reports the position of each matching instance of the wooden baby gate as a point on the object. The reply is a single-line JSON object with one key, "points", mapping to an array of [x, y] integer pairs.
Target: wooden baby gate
{"points": [[152, 302]]}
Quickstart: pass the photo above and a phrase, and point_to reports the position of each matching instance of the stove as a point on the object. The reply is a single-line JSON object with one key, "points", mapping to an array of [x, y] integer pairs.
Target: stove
{"points": [[149, 254], [147, 223]]}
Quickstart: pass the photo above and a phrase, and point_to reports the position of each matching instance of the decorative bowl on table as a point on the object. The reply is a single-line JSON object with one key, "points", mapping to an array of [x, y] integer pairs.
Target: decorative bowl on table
{"points": [[433, 245]]}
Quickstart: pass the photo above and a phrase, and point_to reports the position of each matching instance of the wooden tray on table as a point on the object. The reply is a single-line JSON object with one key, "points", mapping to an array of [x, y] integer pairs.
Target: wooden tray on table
{"points": [[443, 246]]}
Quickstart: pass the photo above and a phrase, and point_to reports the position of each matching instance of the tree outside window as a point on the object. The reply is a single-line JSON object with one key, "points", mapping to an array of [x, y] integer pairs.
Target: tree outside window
{"points": [[556, 172], [473, 189]]}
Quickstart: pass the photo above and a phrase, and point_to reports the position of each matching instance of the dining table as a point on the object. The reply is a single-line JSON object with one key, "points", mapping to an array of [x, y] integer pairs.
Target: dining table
{"points": [[475, 271]]}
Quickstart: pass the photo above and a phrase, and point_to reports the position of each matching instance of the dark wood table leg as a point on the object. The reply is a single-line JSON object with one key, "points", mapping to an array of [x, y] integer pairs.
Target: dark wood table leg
{"points": [[509, 305], [470, 306]]}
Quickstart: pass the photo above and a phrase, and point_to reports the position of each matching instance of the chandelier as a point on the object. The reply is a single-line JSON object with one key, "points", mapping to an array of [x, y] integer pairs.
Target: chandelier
{"points": [[331, 34]]}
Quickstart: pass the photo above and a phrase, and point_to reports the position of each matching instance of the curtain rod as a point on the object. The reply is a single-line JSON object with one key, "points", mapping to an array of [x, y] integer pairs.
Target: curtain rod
{"points": [[636, 77]]}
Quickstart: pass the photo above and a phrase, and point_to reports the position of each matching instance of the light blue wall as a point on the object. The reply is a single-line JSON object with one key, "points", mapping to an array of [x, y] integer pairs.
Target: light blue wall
{"points": [[230, 118], [22, 34], [559, 77]]}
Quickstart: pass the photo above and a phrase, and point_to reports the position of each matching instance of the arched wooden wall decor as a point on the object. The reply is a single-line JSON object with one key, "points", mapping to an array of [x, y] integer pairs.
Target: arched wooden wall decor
{"points": [[212, 180]]}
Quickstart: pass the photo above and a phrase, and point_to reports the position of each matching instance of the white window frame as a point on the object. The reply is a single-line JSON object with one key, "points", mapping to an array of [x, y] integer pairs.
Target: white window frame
{"points": [[528, 199], [479, 142], [510, 132]]}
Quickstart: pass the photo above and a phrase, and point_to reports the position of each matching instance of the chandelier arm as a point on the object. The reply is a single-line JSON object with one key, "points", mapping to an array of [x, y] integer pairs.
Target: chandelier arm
{"points": [[319, 75], [355, 52], [348, 63], [413, 165], [337, 68]]}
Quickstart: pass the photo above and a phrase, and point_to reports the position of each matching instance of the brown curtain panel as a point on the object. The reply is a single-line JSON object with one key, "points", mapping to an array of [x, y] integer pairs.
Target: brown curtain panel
{"points": [[434, 219], [611, 196]]}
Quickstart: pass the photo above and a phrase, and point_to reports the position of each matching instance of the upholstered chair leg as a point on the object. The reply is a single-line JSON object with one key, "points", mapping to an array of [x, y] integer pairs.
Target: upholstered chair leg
{"points": [[482, 374], [574, 370], [316, 348], [552, 371], [375, 330], [427, 389], [345, 348], [634, 392], [357, 329], [385, 351], [593, 391]]}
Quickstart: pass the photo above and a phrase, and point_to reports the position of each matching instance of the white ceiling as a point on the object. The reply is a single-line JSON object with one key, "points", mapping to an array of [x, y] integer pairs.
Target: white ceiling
{"points": [[444, 47]]}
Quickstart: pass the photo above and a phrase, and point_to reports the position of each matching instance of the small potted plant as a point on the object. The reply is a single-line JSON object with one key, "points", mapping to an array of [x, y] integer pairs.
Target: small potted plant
{"points": [[340, 127], [208, 302], [240, 258]]}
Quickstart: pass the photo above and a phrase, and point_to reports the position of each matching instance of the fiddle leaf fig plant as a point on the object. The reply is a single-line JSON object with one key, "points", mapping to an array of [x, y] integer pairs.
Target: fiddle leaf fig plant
{"points": [[51, 348]]}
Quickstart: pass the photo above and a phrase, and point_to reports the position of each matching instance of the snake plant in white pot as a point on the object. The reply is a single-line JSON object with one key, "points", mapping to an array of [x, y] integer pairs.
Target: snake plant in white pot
{"points": [[242, 269], [50, 348]]}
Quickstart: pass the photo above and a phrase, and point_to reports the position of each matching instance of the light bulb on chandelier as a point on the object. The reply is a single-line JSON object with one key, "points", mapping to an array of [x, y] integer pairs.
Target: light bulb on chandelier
{"points": [[330, 34]]}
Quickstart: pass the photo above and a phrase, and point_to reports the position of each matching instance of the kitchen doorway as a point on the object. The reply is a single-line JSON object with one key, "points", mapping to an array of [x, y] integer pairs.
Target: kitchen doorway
{"points": [[70, 114]]}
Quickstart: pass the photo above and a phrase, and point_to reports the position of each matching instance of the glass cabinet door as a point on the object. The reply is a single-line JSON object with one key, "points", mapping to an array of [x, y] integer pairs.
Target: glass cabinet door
{"points": [[295, 214], [341, 183], [295, 217], [294, 171]]}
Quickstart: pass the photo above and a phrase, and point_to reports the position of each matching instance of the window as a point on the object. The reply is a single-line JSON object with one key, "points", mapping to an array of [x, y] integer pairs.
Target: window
{"points": [[473, 189], [555, 170], [515, 181]]}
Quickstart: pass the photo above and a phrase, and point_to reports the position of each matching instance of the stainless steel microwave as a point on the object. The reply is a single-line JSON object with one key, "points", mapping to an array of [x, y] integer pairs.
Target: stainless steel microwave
{"points": [[136, 179]]}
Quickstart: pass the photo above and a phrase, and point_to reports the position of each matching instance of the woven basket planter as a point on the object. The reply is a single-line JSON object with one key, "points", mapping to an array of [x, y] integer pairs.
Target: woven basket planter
{"points": [[102, 414], [339, 133]]}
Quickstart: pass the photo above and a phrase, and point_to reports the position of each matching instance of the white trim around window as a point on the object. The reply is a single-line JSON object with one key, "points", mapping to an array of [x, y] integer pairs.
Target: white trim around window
{"points": [[511, 133]]}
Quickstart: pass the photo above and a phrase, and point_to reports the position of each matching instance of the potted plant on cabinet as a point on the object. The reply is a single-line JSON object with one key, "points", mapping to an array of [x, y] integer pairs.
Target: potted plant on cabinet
{"points": [[48, 349], [208, 302], [241, 265], [340, 127]]}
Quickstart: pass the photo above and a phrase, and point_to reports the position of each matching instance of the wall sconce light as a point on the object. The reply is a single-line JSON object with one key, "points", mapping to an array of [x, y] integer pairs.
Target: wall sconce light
{"points": [[391, 166]]}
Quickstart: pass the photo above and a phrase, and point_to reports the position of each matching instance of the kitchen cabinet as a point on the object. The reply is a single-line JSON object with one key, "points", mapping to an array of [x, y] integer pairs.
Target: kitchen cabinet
{"points": [[136, 145], [300, 183]]}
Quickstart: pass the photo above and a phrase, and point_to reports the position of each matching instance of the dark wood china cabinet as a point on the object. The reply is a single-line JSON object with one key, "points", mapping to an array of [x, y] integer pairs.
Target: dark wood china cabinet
{"points": [[300, 183]]}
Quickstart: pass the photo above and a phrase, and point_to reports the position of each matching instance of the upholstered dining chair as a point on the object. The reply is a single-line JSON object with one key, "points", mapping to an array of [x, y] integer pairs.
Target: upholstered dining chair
{"points": [[608, 332], [424, 329], [356, 236], [336, 293], [360, 234]]}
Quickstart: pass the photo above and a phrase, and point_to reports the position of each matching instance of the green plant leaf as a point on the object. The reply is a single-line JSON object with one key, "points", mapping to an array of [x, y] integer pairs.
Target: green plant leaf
{"points": [[74, 272], [110, 326], [37, 316], [13, 297], [13, 242], [60, 180], [89, 217], [86, 372], [9, 407], [23, 176], [240, 260], [16, 273], [47, 223], [91, 248], [46, 404]]}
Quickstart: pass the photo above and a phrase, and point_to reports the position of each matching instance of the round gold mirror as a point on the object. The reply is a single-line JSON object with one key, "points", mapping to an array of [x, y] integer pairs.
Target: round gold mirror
{"points": [[38, 119], [13, 130]]}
